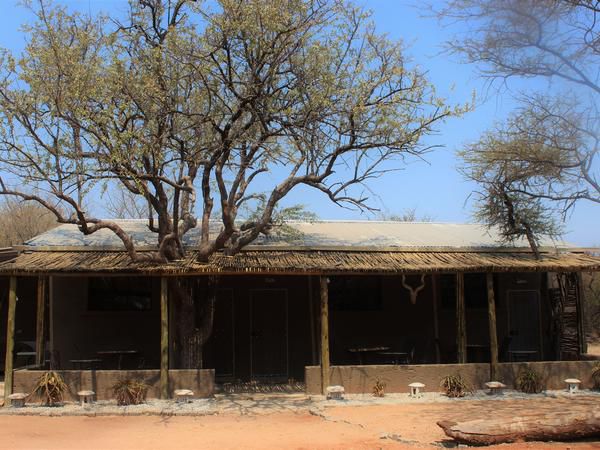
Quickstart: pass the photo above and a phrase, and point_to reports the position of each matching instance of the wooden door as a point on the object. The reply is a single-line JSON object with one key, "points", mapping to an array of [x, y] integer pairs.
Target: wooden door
{"points": [[524, 324], [269, 335]]}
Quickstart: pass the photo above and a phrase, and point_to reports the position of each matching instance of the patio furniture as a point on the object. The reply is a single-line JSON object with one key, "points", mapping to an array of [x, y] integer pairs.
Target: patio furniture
{"points": [[415, 389], [26, 357], [360, 352], [18, 399], [396, 357], [478, 352], [335, 392], [503, 351], [572, 385], [86, 397], [85, 364], [183, 395], [523, 355], [495, 387], [119, 354]]}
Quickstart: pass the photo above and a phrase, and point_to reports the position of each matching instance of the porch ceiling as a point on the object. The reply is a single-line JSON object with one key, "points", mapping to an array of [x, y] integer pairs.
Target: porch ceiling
{"points": [[302, 262]]}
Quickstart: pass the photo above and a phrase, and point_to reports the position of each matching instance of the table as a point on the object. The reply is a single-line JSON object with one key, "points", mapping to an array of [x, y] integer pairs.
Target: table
{"points": [[26, 356], [523, 355], [398, 357], [118, 353], [80, 363], [360, 351], [478, 352]]}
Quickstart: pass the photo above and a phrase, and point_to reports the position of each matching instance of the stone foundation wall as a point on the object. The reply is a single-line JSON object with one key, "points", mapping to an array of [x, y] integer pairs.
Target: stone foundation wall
{"points": [[360, 379], [202, 382], [553, 373]]}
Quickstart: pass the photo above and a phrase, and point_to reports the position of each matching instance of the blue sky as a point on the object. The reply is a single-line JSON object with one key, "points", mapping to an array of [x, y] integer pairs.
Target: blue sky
{"points": [[434, 187]]}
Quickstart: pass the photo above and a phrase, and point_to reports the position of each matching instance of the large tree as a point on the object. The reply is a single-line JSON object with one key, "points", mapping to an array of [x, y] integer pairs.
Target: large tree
{"points": [[544, 156], [204, 110]]}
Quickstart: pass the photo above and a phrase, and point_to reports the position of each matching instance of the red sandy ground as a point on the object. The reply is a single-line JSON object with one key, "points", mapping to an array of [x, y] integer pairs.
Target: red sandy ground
{"points": [[358, 427]]}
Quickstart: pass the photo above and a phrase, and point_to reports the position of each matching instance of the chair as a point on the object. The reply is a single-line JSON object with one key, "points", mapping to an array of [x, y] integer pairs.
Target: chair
{"points": [[503, 352], [55, 360]]}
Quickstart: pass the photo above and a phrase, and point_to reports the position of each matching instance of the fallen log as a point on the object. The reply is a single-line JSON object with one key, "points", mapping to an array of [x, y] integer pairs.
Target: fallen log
{"points": [[559, 426]]}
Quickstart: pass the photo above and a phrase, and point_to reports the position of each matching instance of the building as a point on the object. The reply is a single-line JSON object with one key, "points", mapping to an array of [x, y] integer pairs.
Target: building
{"points": [[327, 302]]}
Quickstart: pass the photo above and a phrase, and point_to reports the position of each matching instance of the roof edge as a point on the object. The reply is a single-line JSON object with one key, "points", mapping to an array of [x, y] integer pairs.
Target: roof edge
{"points": [[349, 249]]}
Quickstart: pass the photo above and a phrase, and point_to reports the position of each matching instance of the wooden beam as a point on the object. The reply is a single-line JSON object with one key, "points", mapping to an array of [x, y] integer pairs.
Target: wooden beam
{"points": [[492, 322], [324, 334], [40, 334], [164, 338], [461, 321], [10, 339]]}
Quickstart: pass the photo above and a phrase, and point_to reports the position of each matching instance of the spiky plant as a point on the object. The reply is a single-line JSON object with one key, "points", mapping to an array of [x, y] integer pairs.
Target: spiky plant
{"points": [[455, 386], [50, 388], [379, 388], [596, 376], [130, 392], [529, 381]]}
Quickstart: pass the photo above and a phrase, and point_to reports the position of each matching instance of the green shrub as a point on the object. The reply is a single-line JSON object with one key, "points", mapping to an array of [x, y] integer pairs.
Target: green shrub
{"points": [[454, 386], [529, 381], [50, 388], [130, 392]]}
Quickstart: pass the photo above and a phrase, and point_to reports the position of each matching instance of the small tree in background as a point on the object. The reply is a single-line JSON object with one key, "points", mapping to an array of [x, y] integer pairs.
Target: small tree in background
{"points": [[544, 159], [20, 221], [518, 173]]}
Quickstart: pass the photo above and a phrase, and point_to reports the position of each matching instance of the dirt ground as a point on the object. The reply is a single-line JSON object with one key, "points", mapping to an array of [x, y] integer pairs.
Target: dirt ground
{"points": [[406, 426]]}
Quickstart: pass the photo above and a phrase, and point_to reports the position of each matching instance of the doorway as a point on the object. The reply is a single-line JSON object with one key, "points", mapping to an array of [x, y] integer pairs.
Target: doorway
{"points": [[269, 335], [524, 325]]}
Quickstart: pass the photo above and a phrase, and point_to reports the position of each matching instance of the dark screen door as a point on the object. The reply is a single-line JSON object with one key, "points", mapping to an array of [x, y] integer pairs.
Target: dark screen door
{"points": [[268, 334], [524, 320]]}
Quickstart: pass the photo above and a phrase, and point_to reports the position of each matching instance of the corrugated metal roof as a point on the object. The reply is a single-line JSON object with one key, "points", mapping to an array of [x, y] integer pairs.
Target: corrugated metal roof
{"points": [[318, 234]]}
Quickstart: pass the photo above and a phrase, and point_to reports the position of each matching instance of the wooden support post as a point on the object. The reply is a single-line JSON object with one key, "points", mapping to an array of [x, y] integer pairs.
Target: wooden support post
{"points": [[324, 335], [461, 321], [164, 338], [436, 326], [40, 335], [581, 315], [10, 339], [492, 320]]}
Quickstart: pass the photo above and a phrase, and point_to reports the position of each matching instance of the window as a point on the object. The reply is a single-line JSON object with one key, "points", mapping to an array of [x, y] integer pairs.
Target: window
{"points": [[355, 293], [119, 294], [448, 291], [475, 290]]}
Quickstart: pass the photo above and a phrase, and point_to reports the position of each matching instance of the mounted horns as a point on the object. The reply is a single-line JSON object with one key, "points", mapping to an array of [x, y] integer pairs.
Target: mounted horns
{"points": [[414, 292]]}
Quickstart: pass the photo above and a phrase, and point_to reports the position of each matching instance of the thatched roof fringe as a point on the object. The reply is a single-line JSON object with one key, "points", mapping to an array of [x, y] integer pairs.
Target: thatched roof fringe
{"points": [[294, 262]]}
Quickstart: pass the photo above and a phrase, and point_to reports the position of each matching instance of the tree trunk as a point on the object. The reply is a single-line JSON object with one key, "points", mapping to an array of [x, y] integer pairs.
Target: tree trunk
{"points": [[559, 425], [195, 304]]}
